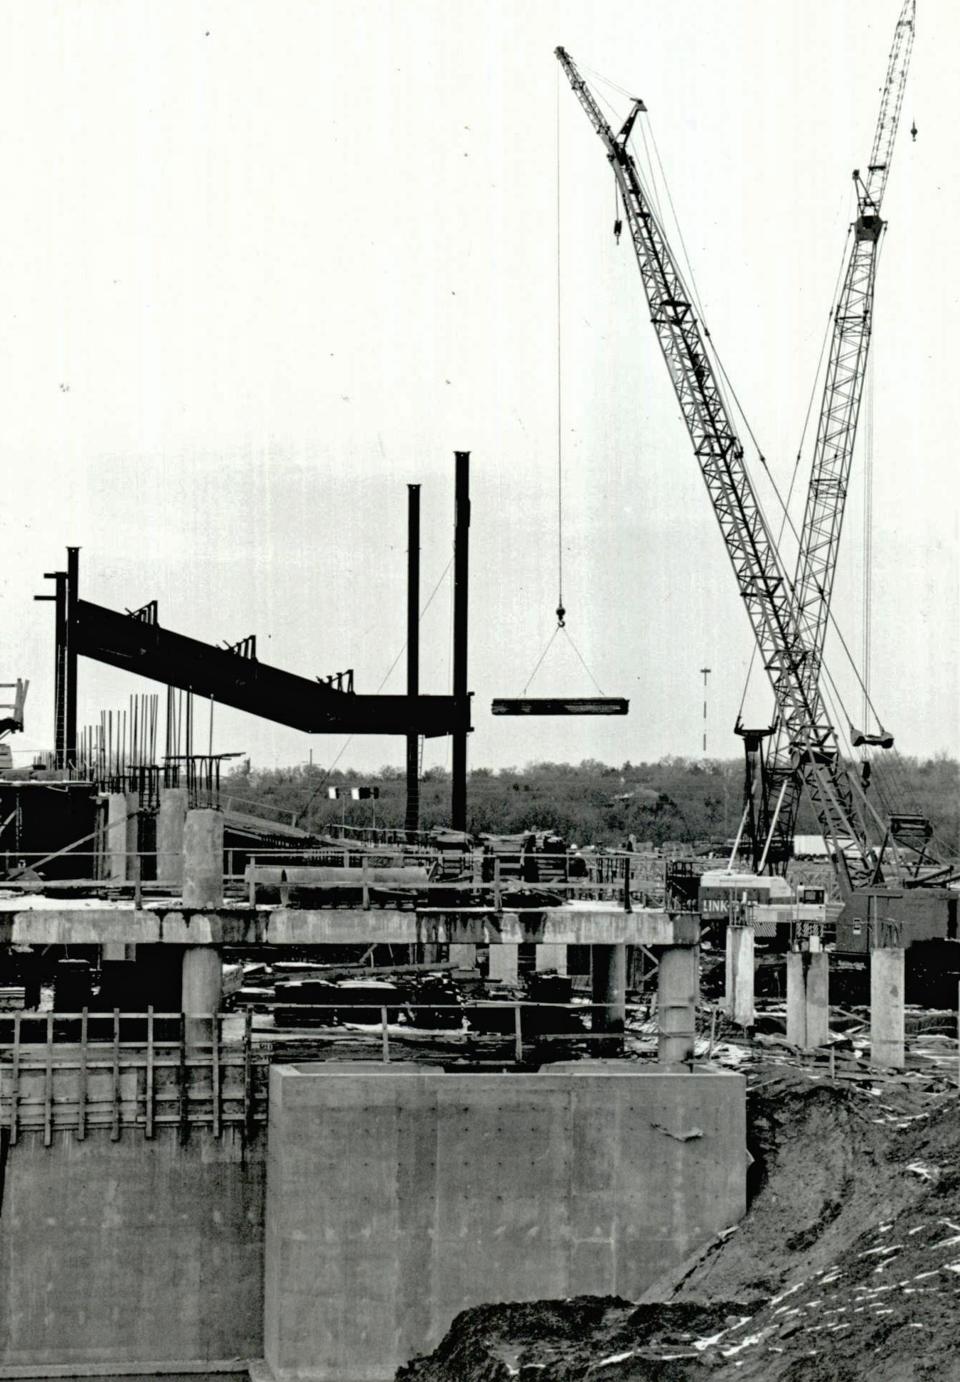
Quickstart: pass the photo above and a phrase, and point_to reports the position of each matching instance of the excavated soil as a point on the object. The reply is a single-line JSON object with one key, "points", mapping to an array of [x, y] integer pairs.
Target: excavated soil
{"points": [[846, 1266]]}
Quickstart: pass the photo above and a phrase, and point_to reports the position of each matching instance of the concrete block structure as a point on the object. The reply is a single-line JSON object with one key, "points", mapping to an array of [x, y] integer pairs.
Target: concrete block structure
{"points": [[398, 1197]]}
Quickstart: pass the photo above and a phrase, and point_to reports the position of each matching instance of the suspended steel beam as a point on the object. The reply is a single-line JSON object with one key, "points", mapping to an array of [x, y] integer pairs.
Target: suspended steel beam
{"points": [[560, 705]]}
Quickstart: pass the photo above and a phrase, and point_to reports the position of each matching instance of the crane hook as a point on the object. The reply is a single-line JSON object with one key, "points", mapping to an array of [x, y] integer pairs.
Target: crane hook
{"points": [[561, 615]]}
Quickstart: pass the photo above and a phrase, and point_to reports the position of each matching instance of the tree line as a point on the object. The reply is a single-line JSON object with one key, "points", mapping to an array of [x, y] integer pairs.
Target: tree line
{"points": [[683, 800]]}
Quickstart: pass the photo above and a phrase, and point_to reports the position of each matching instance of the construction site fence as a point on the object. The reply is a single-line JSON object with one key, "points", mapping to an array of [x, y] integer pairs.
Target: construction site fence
{"points": [[146, 1071]]}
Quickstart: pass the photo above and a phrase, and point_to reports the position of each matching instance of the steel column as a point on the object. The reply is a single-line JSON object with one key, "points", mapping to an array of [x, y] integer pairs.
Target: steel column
{"points": [[461, 568], [412, 819]]}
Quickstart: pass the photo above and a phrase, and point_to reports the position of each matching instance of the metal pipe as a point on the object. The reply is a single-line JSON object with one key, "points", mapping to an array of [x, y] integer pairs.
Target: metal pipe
{"points": [[412, 818], [461, 570], [70, 656]]}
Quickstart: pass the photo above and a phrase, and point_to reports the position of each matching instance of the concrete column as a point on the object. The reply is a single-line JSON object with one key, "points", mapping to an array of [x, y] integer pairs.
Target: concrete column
{"points": [[502, 965], [886, 1007], [552, 957], [796, 1000], [808, 998], [738, 989], [200, 988], [116, 837], [609, 970], [677, 1003], [203, 859], [170, 823], [818, 999], [465, 956]]}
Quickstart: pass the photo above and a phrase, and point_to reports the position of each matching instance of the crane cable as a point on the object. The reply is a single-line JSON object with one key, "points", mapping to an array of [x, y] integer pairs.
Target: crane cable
{"points": [[561, 612]]}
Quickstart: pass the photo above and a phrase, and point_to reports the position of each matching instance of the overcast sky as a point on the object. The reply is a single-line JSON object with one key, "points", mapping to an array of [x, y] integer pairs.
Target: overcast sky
{"points": [[264, 264]]}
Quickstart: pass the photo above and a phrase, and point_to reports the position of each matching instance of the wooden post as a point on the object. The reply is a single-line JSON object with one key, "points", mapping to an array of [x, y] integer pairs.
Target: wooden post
{"points": [[15, 1078], [518, 1033], [496, 883], [82, 1093], [385, 1034], [115, 1128], [48, 1086], [148, 1095], [627, 901], [183, 1109], [247, 1073], [137, 881], [366, 885], [215, 1073]]}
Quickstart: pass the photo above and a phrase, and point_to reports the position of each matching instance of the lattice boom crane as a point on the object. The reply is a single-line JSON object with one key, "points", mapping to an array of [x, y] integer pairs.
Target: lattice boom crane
{"points": [[836, 434], [766, 590]]}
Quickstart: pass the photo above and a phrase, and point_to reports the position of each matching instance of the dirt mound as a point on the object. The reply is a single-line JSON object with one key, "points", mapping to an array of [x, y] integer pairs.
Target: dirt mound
{"points": [[847, 1265], [827, 1163]]}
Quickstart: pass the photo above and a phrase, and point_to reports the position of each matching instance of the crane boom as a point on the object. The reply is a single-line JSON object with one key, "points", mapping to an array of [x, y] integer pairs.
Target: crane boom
{"points": [[836, 434], [766, 590]]}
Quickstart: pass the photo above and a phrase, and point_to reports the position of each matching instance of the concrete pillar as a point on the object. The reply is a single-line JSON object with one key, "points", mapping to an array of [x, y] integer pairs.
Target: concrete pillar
{"points": [[502, 965], [808, 998], [464, 956], [609, 970], [200, 988], [112, 952], [203, 859], [818, 999], [115, 847], [677, 1003], [887, 1007], [738, 989], [552, 957], [796, 1000], [170, 823]]}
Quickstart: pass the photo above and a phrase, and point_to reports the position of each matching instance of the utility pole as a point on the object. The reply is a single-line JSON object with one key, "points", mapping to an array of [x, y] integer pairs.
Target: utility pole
{"points": [[705, 672]]}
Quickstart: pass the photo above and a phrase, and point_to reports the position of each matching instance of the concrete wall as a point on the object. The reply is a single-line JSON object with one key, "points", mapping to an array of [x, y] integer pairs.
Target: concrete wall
{"points": [[131, 1252], [396, 1198]]}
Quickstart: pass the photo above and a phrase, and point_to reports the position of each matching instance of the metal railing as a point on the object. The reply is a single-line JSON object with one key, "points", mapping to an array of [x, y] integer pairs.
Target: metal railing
{"points": [[148, 1071]]}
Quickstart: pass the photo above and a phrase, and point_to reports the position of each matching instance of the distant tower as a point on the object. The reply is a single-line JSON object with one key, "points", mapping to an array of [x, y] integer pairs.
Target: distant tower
{"points": [[705, 671]]}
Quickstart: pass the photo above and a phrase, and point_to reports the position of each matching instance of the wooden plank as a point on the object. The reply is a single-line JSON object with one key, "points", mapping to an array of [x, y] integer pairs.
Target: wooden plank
{"points": [[82, 1081], [148, 1089], [559, 705], [48, 1085], [115, 1121]]}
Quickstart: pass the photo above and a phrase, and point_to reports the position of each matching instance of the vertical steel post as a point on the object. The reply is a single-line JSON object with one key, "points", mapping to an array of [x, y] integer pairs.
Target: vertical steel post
{"points": [[59, 683], [461, 569], [412, 819], [70, 657]]}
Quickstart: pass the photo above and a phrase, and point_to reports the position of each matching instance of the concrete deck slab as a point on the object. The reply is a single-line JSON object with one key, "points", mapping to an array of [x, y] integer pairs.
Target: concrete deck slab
{"points": [[39, 920]]}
